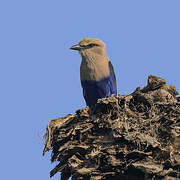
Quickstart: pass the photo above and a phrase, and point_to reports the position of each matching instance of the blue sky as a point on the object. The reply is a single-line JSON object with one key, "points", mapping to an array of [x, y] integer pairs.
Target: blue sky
{"points": [[40, 75]]}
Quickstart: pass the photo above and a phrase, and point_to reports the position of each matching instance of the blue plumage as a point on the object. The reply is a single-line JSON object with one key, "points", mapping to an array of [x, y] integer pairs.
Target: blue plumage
{"points": [[94, 90]]}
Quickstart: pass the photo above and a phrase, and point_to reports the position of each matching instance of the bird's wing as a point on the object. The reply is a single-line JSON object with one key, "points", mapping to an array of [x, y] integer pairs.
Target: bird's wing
{"points": [[112, 79]]}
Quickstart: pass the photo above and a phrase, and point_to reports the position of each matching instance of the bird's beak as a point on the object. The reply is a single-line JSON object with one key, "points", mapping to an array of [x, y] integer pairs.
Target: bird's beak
{"points": [[76, 47]]}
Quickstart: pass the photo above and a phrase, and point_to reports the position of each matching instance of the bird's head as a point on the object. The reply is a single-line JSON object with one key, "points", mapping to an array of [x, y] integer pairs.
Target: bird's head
{"points": [[88, 46]]}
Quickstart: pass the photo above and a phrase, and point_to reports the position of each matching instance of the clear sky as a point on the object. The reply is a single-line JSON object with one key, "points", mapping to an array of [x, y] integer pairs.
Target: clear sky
{"points": [[40, 75]]}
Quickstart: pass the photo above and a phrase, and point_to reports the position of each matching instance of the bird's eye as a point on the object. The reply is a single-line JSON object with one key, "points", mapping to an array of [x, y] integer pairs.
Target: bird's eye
{"points": [[91, 45], [88, 46]]}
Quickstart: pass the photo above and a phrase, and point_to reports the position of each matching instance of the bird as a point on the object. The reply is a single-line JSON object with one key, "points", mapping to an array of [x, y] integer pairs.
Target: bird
{"points": [[97, 75]]}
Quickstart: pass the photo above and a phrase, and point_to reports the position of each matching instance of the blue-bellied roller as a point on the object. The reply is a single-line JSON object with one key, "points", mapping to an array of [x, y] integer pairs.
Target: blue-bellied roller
{"points": [[96, 71]]}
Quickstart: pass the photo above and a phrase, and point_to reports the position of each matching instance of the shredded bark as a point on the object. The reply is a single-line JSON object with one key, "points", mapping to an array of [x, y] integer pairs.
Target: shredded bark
{"points": [[129, 137]]}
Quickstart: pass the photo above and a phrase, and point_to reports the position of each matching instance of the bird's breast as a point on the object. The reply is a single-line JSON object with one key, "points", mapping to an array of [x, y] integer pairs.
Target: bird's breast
{"points": [[94, 71]]}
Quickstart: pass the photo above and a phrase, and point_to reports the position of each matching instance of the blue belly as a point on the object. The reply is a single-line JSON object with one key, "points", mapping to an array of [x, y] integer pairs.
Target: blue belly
{"points": [[94, 90]]}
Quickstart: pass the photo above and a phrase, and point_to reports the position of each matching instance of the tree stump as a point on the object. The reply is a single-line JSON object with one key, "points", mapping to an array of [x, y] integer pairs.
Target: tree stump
{"points": [[129, 137]]}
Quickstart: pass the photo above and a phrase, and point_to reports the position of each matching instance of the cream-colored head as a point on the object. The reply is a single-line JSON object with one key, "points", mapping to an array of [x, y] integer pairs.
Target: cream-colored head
{"points": [[94, 65], [90, 45]]}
